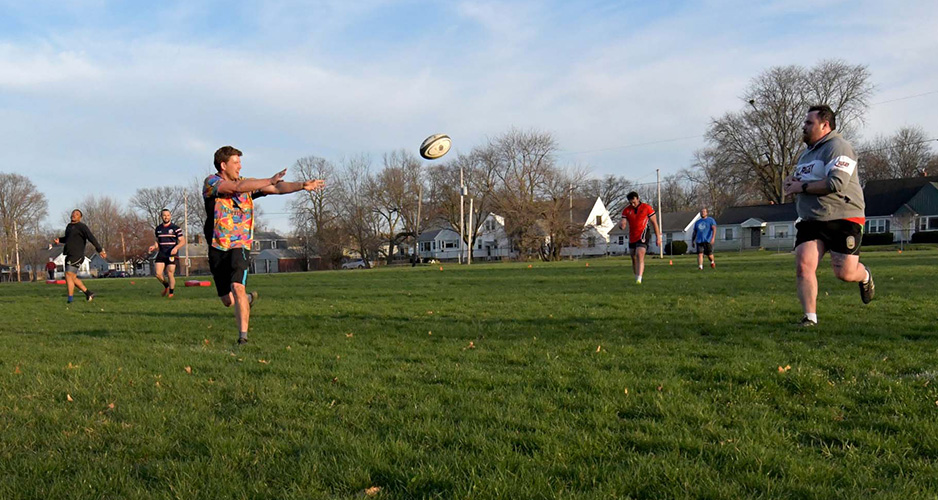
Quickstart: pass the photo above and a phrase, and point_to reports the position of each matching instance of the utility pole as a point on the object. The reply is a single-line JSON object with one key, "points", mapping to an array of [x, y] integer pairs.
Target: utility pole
{"points": [[16, 239], [469, 256], [462, 204], [660, 215], [417, 225], [185, 211], [124, 249]]}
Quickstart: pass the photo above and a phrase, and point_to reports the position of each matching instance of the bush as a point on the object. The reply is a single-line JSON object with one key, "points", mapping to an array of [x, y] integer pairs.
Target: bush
{"points": [[676, 248], [925, 237], [878, 239]]}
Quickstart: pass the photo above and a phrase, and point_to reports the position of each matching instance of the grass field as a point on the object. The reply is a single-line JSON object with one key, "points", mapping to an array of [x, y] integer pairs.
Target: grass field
{"points": [[489, 381]]}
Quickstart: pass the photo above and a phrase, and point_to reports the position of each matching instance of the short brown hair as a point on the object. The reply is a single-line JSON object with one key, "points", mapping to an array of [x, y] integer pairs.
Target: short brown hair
{"points": [[825, 114], [223, 154]]}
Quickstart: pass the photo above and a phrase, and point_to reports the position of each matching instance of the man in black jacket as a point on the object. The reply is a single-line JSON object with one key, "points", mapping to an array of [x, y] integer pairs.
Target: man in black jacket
{"points": [[76, 237]]}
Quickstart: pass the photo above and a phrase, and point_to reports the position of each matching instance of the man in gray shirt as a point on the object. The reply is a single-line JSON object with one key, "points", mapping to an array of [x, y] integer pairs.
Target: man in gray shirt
{"points": [[831, 208]]}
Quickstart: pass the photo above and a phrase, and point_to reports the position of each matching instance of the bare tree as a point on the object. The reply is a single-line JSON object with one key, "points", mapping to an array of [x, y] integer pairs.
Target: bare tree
{"points": [[761, 143], [148, 202], [678, 194], [314, 214], [22, 207], [907, 153], [478, 175], [611, 189], [718, 189], [394, 192], [357, 216]]}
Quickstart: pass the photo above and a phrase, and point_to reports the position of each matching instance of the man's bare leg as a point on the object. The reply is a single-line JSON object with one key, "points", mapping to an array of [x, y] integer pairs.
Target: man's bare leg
{"points": [[807, 257]]}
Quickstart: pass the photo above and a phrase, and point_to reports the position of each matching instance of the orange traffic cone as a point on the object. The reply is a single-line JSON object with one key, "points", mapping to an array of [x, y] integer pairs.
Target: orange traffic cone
{"points": [[670, 262], [441, 268], [587, 264]]}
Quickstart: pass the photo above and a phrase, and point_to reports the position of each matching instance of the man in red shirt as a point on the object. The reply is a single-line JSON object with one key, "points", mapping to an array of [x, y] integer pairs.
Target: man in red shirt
{"points": [[637, 215]]}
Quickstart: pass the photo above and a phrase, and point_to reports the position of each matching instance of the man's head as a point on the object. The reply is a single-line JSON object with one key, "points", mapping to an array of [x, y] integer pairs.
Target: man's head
{"points": [[633, 198], [166, 215], [703, 213], [228, 162], [76, 215], [819, 122]]}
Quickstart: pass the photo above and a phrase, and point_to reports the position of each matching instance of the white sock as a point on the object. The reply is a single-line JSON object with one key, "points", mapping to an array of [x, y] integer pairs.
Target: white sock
{"points": [[811, 316], [867, 280], [638, 278], [700, 266]]}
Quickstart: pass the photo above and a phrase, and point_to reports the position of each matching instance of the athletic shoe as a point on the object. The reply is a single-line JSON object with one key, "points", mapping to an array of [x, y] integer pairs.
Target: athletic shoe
{"points": [[700, 268], [807, 323], [252, 298], [170, 295], [867, 288], [713, 265], [89, 296], [242, 341], [638, 282], [165, 291]]}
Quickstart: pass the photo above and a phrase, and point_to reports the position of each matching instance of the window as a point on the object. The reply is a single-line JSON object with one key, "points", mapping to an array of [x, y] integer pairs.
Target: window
{"points": [[727, 233], [668, 237], [449, 244], [490, 224], [591, 242], [877, 226], [599, 220], [621, 240], [780, 231], [928, 223]]}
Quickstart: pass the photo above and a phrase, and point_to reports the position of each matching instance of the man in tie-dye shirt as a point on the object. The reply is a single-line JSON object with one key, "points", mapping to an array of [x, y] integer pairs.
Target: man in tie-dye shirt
{"points": [[229, 227]]}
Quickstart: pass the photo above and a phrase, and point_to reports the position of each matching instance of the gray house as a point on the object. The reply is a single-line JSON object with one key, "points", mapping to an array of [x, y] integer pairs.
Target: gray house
{"points": [[901, 206]]}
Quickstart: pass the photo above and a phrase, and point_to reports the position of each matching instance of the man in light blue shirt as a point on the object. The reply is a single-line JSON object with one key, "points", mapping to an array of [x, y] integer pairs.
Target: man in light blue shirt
{"points": [[705, 231]]}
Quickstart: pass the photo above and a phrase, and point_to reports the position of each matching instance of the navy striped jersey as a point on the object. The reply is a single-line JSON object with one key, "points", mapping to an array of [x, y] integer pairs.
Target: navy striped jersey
{"points": [[167, 235]]}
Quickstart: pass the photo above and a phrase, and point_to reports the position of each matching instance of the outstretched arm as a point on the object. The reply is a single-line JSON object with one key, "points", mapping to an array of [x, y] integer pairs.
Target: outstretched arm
{"points": [[292, 187], [249, 185]]}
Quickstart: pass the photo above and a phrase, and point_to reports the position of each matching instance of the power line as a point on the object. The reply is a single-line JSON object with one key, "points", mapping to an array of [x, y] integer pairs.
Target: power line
{"points": [[906, 97]]}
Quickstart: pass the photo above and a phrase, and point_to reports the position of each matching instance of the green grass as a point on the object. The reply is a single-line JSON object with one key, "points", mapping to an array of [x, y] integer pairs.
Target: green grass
{"points": [[489, 381]]}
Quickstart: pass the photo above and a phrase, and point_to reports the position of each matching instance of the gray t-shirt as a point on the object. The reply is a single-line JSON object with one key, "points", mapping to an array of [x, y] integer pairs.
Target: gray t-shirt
{"points": [[831, 159]]}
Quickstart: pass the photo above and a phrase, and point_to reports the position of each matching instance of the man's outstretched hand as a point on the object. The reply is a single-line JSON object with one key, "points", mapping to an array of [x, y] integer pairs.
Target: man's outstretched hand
{"points": [[314, 184]]}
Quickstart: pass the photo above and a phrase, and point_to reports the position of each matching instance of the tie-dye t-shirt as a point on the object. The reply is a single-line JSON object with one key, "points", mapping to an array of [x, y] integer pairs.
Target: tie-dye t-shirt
{"points": [[229, 221]]}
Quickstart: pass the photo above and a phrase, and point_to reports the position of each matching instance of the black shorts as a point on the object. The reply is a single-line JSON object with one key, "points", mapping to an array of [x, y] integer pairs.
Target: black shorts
{"points": [[638, 244], [228, 266], [705, 248], [841, 236], [166, 259]]}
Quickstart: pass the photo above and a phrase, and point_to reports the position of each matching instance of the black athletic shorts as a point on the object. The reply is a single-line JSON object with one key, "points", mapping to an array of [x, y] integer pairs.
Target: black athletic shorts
{"points": [[705, 248], [228, 266], [841, 236], [638, 244], [165, 258]]}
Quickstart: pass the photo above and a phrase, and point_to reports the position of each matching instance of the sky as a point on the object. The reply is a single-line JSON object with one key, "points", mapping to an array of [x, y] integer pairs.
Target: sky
{"points": [[100, 97]]}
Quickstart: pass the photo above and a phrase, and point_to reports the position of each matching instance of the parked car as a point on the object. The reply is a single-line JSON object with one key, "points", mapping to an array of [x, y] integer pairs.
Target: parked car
{"points": [[115, 273], [354, 264]]}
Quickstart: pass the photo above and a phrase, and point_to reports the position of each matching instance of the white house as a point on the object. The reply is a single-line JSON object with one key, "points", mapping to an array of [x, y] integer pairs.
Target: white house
{"points": [[675, 226], [591, 213], [439, 244], [492, 242]]}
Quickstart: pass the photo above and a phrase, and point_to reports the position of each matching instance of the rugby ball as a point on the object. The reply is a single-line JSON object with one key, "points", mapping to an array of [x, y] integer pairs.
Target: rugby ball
{"points": [[435, 146]]}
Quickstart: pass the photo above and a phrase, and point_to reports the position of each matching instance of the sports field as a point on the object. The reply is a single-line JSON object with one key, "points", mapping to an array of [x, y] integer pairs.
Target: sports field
{"points": [[560, 380]]}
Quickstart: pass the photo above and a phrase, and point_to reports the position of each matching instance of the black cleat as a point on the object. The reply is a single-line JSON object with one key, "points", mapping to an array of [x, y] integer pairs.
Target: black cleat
{"points": [[242, 341], [867, 288], [807, 323], [89, 296]]}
